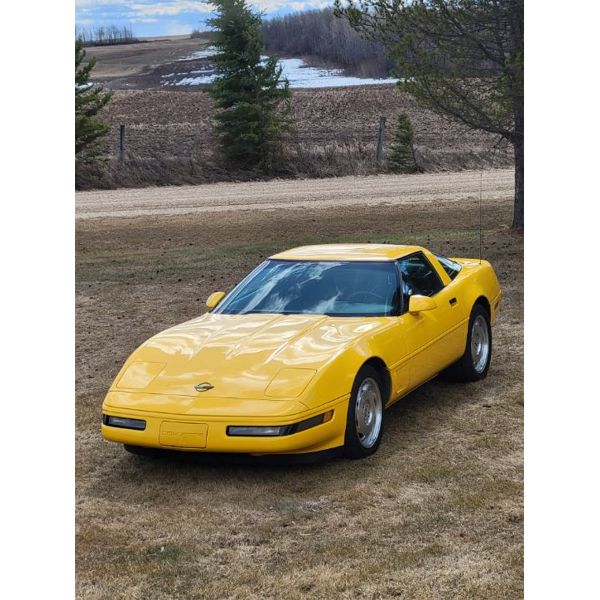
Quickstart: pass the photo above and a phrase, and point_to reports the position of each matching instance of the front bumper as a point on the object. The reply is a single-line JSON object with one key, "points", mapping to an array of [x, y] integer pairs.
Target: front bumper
{"points": [[208, 432]]}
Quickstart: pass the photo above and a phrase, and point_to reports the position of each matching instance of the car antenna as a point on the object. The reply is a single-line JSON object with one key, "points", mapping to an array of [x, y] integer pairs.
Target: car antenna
{"points": [[494, 149], [480, 214]]}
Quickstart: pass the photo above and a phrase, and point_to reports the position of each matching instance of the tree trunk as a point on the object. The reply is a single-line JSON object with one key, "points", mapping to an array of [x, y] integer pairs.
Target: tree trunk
{"points": [[519, 146], [519, 206]]}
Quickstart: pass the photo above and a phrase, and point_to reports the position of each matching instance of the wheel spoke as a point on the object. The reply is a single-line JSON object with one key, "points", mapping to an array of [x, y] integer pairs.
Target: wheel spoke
{"points": [[368, 412]]}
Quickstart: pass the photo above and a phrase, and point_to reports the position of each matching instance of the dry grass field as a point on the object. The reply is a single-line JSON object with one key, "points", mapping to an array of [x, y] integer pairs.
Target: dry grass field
{"points": [[436, 513], [169, 138]]}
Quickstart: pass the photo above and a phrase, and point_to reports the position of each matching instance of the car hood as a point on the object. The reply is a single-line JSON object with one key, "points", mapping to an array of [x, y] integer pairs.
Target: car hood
{"points": [[241, 356]]}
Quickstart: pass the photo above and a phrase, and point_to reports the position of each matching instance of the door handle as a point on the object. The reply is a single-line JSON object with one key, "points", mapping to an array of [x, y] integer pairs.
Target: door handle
{"points": [[452, 301]]}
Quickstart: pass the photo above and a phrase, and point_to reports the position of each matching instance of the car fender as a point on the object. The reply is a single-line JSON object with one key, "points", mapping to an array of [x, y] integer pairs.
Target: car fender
{"points": [[335, 379]]}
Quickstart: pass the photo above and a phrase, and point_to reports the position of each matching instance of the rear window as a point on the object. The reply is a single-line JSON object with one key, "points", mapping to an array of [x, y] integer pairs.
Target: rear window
{"points": [[450, 266]]}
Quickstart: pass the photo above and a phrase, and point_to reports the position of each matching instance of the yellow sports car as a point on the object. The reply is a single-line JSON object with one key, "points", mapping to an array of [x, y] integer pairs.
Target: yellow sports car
{"points": [[306, 352]]}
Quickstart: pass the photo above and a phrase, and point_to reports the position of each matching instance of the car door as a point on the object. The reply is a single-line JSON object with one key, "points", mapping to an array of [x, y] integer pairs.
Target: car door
{"points": [[431, 341]]}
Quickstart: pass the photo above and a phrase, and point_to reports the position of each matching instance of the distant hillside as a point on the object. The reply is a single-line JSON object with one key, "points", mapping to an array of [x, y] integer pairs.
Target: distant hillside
{"points": [[322, 36]]}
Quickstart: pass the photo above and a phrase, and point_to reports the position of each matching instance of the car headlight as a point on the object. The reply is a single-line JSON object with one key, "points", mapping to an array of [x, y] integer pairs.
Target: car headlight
{"points": [[278, 430], [289, 383], [139, 375]]}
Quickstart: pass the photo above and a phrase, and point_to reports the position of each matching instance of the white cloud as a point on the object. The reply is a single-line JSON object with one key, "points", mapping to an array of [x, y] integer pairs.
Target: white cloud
{"points": [[174, 28], [92, 3], [172, 17], [273, 5], [175, 7], [170, 8]]}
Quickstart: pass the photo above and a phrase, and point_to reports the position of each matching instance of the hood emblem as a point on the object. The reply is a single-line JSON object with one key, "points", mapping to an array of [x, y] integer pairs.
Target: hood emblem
{"points": [[203, 387]]}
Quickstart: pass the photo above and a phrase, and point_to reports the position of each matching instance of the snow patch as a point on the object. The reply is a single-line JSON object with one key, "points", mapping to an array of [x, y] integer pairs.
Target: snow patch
{"points": [[302, 76], [294, 69], [205, 53]]}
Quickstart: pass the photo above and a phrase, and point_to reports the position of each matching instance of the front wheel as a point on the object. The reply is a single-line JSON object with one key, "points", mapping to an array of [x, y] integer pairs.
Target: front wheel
{"points": [[364, 425], [475, 362]]}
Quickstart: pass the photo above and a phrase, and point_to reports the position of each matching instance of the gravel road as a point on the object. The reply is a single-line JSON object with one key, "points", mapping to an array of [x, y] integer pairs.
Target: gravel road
{"points": [[309, 193]]}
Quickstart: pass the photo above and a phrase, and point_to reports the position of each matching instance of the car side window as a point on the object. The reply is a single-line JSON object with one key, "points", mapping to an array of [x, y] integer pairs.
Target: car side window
{"points": [[419, 276], [451, 267]]}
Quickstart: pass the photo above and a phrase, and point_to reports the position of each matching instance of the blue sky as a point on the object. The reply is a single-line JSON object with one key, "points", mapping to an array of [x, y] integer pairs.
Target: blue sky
{"points": [[169, 17]]}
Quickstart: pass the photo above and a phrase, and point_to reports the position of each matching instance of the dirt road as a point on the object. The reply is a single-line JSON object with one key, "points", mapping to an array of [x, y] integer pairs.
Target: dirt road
{"points": [[314, 193]]}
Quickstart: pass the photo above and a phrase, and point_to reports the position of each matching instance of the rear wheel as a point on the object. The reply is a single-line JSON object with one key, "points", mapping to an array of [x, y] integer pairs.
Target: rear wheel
{"points": [[364, 425], [475, 362]]}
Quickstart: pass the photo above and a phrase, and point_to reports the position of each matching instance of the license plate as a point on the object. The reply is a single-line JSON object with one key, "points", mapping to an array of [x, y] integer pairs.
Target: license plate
{"points": [[183, 435]]}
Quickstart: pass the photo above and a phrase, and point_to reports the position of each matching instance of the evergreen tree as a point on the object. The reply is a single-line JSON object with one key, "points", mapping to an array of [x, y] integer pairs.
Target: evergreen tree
{"points": [[89, 99], [401, 158], [251, 98]]}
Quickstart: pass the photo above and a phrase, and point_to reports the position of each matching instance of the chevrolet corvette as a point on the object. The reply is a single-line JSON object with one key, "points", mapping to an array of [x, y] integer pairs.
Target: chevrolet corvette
{"points": [[305, 354]]}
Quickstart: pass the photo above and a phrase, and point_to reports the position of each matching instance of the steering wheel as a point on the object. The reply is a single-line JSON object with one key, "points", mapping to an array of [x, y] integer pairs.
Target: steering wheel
{"points": [[366, 294]]}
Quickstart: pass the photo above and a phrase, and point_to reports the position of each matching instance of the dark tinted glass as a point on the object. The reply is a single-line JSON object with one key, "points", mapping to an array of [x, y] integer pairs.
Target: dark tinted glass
{"points": [[451, 267], [419, 276], [332, 288]]}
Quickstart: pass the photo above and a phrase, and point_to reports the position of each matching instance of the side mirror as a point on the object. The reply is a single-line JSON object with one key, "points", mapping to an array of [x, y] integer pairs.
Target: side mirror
{"points": [[417, 304], [214, 299]]}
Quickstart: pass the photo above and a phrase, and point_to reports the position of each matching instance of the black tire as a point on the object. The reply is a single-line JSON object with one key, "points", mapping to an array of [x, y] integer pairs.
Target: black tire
{"points": [[353, 446], [141, 451], [465, 370]]}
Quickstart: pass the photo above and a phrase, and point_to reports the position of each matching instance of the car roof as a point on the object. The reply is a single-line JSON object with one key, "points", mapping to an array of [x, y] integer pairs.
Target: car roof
{"points": [[358, 252]]}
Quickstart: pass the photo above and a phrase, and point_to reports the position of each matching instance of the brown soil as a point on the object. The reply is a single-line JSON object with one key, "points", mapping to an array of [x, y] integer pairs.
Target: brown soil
{"points": [[130, 66], [177, 124]]}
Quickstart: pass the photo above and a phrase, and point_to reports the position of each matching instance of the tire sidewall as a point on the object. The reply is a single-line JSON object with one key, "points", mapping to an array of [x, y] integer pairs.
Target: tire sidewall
{"points": [[352, 446], [479, 310]]}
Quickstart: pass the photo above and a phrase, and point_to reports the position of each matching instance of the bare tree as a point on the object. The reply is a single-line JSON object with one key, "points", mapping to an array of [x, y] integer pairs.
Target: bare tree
{"points": [[104, 36], [319, 33]]}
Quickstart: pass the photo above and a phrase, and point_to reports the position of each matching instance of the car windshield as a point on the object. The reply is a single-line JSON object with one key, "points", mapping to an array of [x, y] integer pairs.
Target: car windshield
{"points": [[316, 287]]}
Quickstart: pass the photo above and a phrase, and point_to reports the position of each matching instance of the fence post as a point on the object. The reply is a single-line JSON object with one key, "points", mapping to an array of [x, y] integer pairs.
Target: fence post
{"points": [[121, 143], [380, 140]]}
